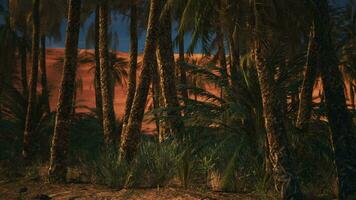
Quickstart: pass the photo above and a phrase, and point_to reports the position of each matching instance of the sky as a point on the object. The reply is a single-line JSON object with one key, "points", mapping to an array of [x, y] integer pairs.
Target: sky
{"points": [[120, 26]]}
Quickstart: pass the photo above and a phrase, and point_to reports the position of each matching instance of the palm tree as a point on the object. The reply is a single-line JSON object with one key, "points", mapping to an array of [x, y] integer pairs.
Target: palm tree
{"points": [[279, 156], [306, 94], [33, 81], [23, 54], [8, 44], [19, 12], [342, 131], [98, 96], [167, 74], [58, 161], [182, 72], [45, 92], [131, 135], [133, 64], [157, 101], [52, 13], [105, 75]]}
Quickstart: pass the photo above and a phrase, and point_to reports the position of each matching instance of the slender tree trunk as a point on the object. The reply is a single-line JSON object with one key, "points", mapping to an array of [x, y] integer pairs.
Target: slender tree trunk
{"points": [[1, 89], [222, 54], [279, 156], [131, 136], [105, 76], [98, 97], [235, 60], [352, 95], [45, 93], [74, 102], [23, 54], [28, 133], [167, 75], [58, 162], [156, 90], [306, 94], [285, 179], [343, 138], [133, 66], [182, 72]]}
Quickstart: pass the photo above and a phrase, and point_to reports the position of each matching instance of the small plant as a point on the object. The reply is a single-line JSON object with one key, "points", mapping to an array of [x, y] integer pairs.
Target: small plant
{"points": [[111, 171], [158, 162], [185, 167]]}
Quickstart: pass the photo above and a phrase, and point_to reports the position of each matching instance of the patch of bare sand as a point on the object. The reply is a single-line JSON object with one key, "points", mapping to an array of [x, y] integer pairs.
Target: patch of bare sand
{"points": [[40, 190]]}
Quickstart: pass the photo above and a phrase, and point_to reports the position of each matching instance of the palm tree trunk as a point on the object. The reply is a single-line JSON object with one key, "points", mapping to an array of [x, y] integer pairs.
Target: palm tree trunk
{"points": [[156, 94], [235, 60], [45, 93], [58, 162], [23, 54], [343, 138], [279, 155], [133, 66], [28, 137], [222, 53], [105, 76], [352, 95], [98, 97], [286, 181], [182, 72], [306, 94], [131, 136], [167, 75]]}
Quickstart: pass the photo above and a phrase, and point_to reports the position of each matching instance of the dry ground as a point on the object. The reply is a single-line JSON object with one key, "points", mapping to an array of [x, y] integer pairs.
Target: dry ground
{"points": [[40, 190]]}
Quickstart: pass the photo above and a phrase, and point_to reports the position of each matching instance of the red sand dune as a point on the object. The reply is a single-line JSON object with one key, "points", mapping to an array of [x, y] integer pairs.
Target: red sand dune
{"points": [[86, 95], [86, 92]]}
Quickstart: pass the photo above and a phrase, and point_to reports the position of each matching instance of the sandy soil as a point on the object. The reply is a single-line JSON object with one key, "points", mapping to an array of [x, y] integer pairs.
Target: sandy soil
{"points": [[39, 190]]}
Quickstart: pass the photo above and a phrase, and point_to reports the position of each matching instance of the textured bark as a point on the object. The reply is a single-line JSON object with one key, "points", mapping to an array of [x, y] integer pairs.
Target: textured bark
{"points": [[306, 94], [98, 97], [235, 60], [133, 66], [343, 138], [23, 54], [167, 75], [285, 179], [222, 53], [279, 156], [182, 72], [1, 89], [156, 94], [28, 137], [58, 162], [130, 138], [105, 76], [45, 93]]}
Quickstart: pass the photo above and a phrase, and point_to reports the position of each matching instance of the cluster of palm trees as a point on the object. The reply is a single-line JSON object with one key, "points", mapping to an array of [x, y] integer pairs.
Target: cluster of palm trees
{"points": [[238, 27]]}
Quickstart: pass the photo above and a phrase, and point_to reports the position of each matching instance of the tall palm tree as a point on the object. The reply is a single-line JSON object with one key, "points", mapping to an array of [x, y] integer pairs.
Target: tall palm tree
{"points": [[28, 137], [98, 96], [58, 161], [167, 74], [105, 75], [131, 135], [133, 64], [182, 72], [52, 13], [23, 54], [45, 91], [279, 156], [19, 11], [306, 94], [157, 101], [343, 137]]}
